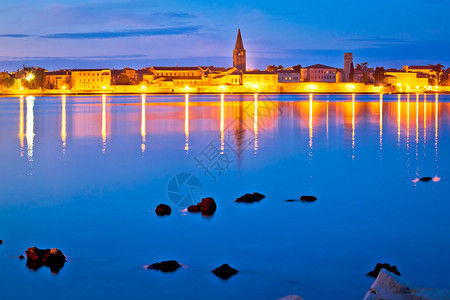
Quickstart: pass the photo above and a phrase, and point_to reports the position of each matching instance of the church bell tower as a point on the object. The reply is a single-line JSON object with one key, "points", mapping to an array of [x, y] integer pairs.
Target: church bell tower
{"points": [[239, 56]]}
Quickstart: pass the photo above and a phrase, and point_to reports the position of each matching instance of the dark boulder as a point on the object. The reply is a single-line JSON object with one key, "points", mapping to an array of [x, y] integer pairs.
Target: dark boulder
{"points": [[388, 267], [194, 208], [225, 271], [308, 198], [425, 179], [208, 206], [1, 242], [163, 209], [250, 198], [52, 258], [165, 266], [21, 257]]}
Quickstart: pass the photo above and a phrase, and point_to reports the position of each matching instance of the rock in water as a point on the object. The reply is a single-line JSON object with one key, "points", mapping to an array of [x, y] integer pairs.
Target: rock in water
{"points": [[308, 198], [425, 179], [392, 287], [379, 266], [258, 196], [1, 242], [163, 210], [21, 257], [225, 271], [194, 208], [291, 297], [250, 198], [52, 258], [208, 206], [165, 266]]}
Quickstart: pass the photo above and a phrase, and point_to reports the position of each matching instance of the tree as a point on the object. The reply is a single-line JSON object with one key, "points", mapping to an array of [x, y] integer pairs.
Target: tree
{"points": [[274, 68], [437, 71], [123, 79], [379, 74], [365, 78], [362, 66], [297, 68], [7, 82], [352, 74], [271, 68]]}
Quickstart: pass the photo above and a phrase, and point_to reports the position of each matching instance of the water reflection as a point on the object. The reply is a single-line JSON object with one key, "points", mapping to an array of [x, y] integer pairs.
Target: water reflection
{"points": [[381, 123], [222, 123], [186, 123], [255, 124], [21, 127], [104, 123], [63, 123], [143, 121], [391, 117], [353, 126], [30, 127]]}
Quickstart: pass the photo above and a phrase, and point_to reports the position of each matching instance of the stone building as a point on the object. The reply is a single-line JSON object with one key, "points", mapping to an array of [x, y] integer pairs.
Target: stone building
{"points": [[60, 79], [91, 79], [348, 61], [319, 73], [405, 80], [288, 76], [257, 79], [239, 54]]}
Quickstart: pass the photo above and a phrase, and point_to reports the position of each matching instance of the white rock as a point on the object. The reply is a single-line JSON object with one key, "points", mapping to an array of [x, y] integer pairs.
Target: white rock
{"points": [[291, 297], [389, 286]]}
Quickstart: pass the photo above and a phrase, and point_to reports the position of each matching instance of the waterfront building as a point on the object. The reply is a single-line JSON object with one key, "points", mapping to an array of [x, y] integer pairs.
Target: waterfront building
{"points": [[428, 70], [91, 79], [288, 76], [319, 73], [239, 54], [405, 80], [256, 79], [231, 76], [179, 76], [60, 79]]}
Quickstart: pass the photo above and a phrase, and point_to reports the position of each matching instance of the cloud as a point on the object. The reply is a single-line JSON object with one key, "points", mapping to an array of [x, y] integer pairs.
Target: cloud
{"points": [[113, 34], [13, 35], [94, 57]]}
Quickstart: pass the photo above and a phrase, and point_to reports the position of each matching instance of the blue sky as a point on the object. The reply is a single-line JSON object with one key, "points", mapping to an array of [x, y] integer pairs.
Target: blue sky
{"points": [[138, 33]]}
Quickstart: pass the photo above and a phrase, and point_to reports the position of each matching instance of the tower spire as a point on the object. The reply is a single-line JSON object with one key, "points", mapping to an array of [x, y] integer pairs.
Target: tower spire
{"points": [[239, 44], [239, 54]]}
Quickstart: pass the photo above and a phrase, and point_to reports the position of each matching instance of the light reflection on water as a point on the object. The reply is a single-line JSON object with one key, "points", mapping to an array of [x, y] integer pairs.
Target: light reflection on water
{"points": [[360, 154]]}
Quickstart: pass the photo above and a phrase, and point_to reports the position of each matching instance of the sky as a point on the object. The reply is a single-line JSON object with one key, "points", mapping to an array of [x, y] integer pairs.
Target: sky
{"points": [[140, 33]]}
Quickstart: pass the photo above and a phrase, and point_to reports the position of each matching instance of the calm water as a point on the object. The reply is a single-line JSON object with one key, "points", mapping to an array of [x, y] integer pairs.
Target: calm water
{"points": [[84, 174]]}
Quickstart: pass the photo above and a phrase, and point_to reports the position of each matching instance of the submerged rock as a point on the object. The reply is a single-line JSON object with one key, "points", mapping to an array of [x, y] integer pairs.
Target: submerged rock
{"points": [[308, 198], [52, 258], [21, 257], [1, 241], [225, 271], [386, 266], [165, 266], [207, 206], [291, 297], [194, 208], [163, 210], [392, 287], [250, 198], [425, 179]]}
